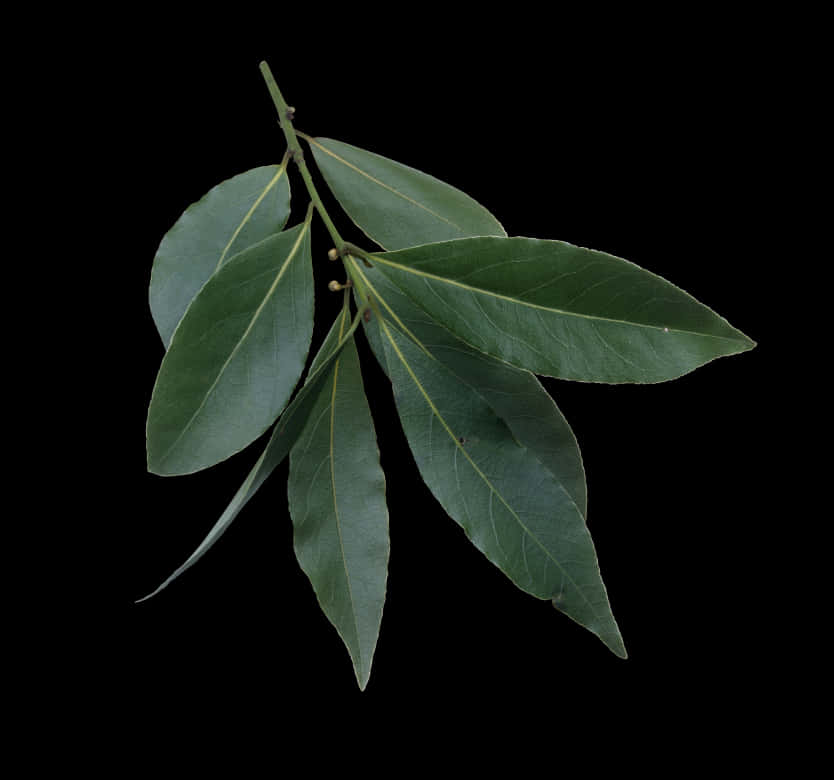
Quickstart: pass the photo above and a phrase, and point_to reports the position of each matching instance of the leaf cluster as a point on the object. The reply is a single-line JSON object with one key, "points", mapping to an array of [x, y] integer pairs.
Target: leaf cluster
{"points": [[459, 316]]}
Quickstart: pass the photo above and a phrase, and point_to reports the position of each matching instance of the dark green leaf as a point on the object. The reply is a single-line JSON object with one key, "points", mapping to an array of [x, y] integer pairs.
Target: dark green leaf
{"points": [[561, 310], [510, 506], [515, 395], [284, 435], [395, 205], [337, 502], [235, 357], [231, 217]]}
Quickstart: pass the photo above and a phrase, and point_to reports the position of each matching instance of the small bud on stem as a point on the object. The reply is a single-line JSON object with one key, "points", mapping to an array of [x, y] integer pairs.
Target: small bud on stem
{"points": [[334, 286]]}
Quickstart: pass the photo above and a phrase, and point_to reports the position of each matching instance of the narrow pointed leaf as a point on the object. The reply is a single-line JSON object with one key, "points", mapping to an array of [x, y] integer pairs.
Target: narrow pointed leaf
{"points": [[561, 310], [515, 395], [509, 505], [231, 217], [235, 357], [395, 205], [285, 434], [337, 502]]}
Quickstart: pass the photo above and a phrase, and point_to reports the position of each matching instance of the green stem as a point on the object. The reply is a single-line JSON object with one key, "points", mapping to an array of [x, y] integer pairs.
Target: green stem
{"points": [[358, 284], [362, 291], [285, 118], [352, 249]]}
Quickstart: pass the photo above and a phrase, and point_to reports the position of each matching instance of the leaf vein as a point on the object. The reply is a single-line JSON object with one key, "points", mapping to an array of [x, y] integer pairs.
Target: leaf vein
{"points": [[240, 342]]}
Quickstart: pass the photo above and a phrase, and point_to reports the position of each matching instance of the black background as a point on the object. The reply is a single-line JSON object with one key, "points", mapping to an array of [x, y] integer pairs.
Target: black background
{"points": [[634, 143]]}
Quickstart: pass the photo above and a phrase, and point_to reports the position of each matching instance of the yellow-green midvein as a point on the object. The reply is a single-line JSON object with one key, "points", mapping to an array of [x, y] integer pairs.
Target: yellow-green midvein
{"points": [[314, 142], [355, 267], [553, 310], [282, 168], [436, 412], [345, 311], [302, 234]]}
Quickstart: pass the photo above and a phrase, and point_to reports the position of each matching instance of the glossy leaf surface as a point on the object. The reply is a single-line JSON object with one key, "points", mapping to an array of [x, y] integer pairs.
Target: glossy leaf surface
{"points": [[285, 434], [235, 357], [515, 395], [231, 217], [561, 310], [510, 506], [337, 501], [395, 205]]}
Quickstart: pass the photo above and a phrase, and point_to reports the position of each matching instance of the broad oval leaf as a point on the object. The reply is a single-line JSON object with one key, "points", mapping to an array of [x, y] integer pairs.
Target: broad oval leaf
{"points": [[509, 505], [235, 357], [395, 205], [514, 394], [336, 494], [284, 435], [231, 217], [561, 310]]}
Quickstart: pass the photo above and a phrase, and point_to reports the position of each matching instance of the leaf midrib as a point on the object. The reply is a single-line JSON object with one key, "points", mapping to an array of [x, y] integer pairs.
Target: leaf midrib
{"points": [[333, 489], [382, 184], [405, 328], [251, 211], [518, 301], [480, 473], [240, 341]]}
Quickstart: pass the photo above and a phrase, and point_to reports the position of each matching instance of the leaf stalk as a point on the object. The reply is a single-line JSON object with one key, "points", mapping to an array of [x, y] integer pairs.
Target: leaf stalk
{"points": [[285, 115]]}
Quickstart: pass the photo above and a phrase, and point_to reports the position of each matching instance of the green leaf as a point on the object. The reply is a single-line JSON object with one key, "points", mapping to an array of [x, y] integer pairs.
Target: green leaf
{"points": [[561, 310], [337, 502], [235, 357], [510, 506], [395, 205], [231, 217], [284, 435], [515, 395]]}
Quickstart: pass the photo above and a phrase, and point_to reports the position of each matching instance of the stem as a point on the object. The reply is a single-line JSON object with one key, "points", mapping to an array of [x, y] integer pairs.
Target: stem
{"points": [[352, 249], [285, 118], [362, 291], [358, 284]]}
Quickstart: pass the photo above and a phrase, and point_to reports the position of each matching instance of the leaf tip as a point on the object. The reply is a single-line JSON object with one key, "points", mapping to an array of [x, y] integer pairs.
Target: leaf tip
{"points": [[363, 675], [613, 640], [746, 342], [151, 594]]}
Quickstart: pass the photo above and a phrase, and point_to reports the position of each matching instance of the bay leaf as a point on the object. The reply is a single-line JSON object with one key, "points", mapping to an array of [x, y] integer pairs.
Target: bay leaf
{"points": [[396, 205], [336, 492], [229, 218], [561, 310], [235, 357]]}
